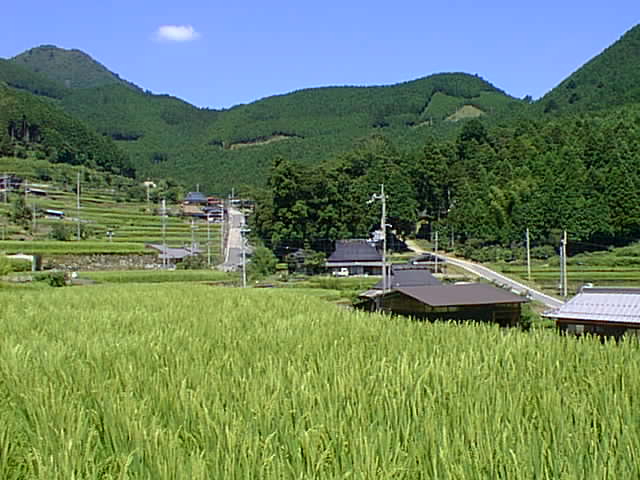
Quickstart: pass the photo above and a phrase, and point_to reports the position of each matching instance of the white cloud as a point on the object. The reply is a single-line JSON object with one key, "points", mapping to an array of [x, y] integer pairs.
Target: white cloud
{"points": [[176, 33]]}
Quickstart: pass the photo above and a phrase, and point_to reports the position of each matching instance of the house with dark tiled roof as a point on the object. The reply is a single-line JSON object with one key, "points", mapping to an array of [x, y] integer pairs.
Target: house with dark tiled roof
{"points": [[195, 198], [357, 256]]}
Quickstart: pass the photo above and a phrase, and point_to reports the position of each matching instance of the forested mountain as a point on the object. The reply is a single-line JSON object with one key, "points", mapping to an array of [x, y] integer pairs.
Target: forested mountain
{"points": [[165, 136], [20, 77], [32, 124], [71, 68], [608, 80], [580, 174]]}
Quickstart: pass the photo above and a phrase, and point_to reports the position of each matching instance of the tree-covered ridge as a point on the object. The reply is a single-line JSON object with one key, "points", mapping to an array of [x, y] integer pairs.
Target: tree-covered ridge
{"points": [[579, 173], [334, 110], [609, 79], [17, 76], [71, 68], [31, 123], [168, 137]]}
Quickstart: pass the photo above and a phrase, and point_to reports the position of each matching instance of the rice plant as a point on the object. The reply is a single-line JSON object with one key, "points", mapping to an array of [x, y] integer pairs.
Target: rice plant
{"points": [[191, 381]]}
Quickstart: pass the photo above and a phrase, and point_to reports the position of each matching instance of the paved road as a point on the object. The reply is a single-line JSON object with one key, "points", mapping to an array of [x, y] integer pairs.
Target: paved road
{"points": [[496, 277], [233, 260]]}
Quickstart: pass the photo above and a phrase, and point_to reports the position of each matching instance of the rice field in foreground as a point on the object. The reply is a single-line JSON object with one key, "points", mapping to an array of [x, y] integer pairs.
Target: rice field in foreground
{"points": [[191, 381]]}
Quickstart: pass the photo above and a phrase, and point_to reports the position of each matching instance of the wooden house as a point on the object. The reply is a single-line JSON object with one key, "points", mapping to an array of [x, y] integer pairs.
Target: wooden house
{"points": [[602, 311], [477, 302], [358, 256]]}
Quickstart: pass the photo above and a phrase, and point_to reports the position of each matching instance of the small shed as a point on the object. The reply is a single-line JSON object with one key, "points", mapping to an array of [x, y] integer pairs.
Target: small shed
{"points": [[602, 311], [359, 256], [477, 301], [54, 214]]}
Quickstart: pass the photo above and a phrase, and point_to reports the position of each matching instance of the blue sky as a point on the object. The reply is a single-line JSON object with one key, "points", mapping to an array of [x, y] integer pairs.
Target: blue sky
{"points": [[217, 54]]}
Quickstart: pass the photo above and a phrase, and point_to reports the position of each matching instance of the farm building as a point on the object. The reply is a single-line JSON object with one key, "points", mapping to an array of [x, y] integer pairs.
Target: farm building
{"points": [[408, 276], [603, 311], [195, 198], [54, 214], [174, 255], [478, 302], [358, 256], [36, 191]]}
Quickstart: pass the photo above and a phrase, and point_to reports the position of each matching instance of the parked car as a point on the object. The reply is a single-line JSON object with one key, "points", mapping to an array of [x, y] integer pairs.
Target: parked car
{"points": [[343, 272]]}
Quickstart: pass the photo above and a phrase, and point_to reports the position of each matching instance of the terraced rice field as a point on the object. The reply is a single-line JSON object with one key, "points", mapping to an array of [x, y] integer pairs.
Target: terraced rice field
{"points": [[133, 224]]}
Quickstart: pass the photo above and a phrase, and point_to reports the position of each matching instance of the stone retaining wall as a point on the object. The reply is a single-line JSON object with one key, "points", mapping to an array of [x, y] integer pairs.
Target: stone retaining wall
{"points": [[101, 262]]}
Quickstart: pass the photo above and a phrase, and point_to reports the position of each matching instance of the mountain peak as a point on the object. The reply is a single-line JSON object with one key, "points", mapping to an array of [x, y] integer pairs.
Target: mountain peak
{"points": [[72, 68], [611, 78]]}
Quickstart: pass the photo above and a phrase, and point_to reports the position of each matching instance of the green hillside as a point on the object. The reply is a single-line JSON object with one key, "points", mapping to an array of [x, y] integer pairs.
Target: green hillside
{"points": [[165, 136], [71, 68], [34, 124], [610, 79], [18, 76]]}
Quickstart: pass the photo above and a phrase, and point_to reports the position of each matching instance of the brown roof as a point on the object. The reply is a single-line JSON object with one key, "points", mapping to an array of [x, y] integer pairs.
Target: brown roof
{"points": [[459, 295]]}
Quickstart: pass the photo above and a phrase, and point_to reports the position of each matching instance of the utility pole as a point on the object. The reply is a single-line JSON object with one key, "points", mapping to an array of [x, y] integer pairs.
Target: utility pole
{"points": [[193, 233], [163, 213], [222, 255], [78, 208], [564, 264], [528, 256], [6, 188], [34, 219], [383, 223], [209, 240], [383, 226], [436, 255], [243, 232]]}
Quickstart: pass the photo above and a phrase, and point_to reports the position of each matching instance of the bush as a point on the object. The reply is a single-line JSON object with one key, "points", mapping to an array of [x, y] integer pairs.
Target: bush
{"points": [[61, 232], [263, 262], [57, 279], [194, 262], [5, 266], [19, 265], [543, 253]]}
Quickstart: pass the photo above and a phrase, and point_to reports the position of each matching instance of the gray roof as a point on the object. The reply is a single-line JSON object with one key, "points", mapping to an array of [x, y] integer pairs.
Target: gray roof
{"points": [[601, 304], [196, 197], [171, 253], [460, 295], [409, 277], [354, 251]]}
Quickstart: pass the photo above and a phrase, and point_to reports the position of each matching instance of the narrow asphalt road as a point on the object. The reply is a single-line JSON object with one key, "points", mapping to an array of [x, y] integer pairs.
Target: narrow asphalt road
{"points": [[233, 260], [496, 277]]}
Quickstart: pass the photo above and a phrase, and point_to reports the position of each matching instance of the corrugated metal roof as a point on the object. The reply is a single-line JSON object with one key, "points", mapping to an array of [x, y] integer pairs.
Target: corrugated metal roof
{"points": [[601, 304], [460, 295], [354, 251], [409, 277]]}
